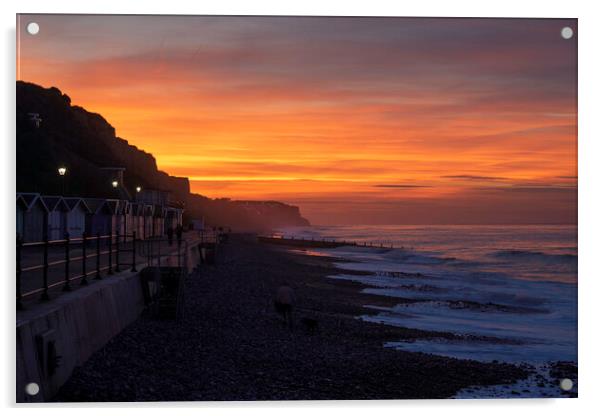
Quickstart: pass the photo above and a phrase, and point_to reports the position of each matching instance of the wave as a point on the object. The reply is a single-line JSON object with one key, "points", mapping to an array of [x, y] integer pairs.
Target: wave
{"points": [[411, 257], [535, 256]]}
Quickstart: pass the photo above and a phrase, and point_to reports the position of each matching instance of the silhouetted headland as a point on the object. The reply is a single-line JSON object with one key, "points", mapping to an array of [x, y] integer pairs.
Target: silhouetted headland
{"points": [[67, 135]]}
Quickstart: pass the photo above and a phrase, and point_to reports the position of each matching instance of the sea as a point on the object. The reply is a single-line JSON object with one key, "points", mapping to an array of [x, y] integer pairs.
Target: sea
{"points": [[511, 289]]}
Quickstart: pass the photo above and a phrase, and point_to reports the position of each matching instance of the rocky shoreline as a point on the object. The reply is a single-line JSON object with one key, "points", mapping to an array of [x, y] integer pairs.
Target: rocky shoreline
{"points": [[230, 344]]}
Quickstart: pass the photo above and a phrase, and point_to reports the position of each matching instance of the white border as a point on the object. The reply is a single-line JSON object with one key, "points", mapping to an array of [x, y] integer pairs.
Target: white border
{"points": [[590, 183]]}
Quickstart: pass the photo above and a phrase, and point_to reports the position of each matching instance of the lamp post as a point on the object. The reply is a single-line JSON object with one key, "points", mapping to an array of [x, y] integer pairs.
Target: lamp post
{"points": [[62, 172], [115, 184]]}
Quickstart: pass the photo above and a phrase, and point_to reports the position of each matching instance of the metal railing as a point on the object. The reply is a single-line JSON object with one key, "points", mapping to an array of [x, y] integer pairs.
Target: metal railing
{"points": [[91, 247], [151, 250], [67, 261]]}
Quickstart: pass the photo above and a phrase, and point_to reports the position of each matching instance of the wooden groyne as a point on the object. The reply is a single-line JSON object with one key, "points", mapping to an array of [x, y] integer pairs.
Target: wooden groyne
{"points": [[293, 241], [302, 242]]}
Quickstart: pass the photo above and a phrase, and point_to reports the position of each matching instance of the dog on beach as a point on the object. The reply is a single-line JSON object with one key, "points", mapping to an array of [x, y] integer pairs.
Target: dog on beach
{"points": [[284, 302]]}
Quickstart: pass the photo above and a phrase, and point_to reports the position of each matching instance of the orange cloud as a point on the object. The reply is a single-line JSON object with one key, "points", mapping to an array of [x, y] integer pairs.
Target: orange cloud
{"points": [[298, 111]]}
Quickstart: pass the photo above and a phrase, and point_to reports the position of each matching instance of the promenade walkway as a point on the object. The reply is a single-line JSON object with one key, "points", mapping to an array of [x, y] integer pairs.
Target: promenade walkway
{"points": [[32, 257]]}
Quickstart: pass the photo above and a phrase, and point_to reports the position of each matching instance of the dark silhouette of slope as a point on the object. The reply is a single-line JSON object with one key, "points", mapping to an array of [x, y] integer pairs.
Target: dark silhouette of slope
{"points": [[85, 142]]}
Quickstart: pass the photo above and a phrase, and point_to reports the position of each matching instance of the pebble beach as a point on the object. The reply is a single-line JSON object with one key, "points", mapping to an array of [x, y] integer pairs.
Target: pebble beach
{"points": [[230, 345]]}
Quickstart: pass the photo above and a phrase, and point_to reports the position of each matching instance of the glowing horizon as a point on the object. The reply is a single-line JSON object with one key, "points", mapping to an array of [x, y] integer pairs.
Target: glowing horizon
{"points": [[355, 120]]}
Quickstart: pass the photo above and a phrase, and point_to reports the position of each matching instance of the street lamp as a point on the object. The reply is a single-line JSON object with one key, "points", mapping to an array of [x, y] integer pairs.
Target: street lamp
{"points": [[62, 171], [114, 184], [138, 188]]}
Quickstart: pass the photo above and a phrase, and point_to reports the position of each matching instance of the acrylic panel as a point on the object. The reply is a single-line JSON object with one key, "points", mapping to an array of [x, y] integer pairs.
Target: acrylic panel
{"points": [[233, 208]]}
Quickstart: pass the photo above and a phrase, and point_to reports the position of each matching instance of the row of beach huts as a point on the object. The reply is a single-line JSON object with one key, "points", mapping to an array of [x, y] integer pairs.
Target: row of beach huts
{"points": [[55, 216]]}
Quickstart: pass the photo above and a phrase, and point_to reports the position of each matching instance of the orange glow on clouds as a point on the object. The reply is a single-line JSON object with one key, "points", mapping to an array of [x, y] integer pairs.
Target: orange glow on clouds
{"points": [[369, 120]]}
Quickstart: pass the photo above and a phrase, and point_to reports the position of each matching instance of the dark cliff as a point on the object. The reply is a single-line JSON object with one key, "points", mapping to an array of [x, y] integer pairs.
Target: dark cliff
{"points": [[85, 142]]}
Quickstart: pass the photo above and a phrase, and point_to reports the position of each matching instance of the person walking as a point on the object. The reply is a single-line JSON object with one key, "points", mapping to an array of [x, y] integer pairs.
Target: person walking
{"points": [[284, 302]]}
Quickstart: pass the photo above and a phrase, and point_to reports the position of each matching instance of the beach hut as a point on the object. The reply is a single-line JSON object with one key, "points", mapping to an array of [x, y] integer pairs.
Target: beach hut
{"points": [[138, 219], [122, 222], [148, 221], [56, 221], [100, 218], [134, 219], [124, 209], [21, 208], [76, 216], [115, 207], [179, 214], [158, 220], [128, 218], [34, 217], [171, 219], [118, 222]]}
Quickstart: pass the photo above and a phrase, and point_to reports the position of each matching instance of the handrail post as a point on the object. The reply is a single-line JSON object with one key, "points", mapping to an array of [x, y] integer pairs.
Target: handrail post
{"points": [[148, 249], [97, 277], [84, 281], [45, 272], [134, 252], [19, 295], [179, 252], [117, 268], [110, 253], [67, 287], [159, 251]]}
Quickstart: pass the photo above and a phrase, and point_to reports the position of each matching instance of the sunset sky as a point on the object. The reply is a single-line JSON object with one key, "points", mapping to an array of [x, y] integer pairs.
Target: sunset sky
{"points": [[355, 120]]}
